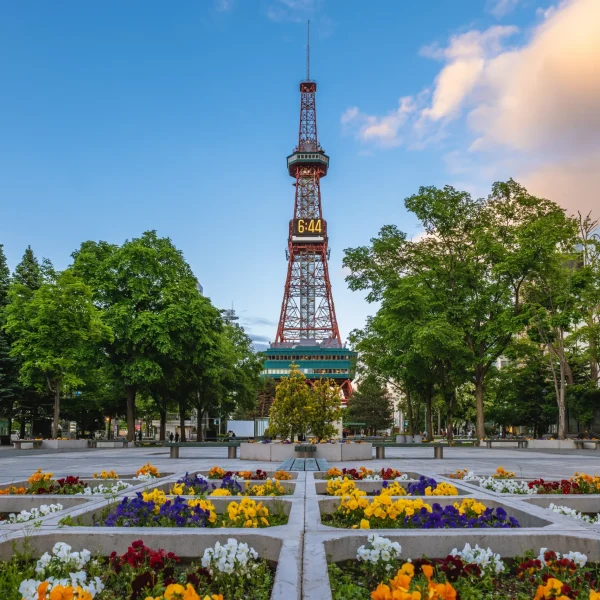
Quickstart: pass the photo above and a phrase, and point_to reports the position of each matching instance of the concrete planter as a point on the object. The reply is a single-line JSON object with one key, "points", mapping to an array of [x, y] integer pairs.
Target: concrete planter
{"points": [[15, 504], [293, 474], [417, 438], [373, 486], [342, 545], [527, 519], [62, 444], [412, 476], [188, 544], [330, 452], [555, 444], [112, 444], [401, 439], [289, 486]]}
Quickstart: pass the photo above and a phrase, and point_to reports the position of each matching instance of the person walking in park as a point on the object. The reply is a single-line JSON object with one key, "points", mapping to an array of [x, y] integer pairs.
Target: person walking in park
{"points": [[177, 437], [171, 437]]}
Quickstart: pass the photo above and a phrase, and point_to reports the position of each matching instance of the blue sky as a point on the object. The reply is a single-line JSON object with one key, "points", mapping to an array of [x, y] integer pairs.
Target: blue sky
{"points": [[118, 117]]}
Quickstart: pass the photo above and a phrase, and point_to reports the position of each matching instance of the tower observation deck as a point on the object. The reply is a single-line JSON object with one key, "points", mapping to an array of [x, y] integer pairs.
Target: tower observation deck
{"points": [[308, 332]]}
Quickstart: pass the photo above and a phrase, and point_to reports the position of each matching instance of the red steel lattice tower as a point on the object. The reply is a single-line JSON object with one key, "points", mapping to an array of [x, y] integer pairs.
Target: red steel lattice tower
{"points": [[307, 310]]}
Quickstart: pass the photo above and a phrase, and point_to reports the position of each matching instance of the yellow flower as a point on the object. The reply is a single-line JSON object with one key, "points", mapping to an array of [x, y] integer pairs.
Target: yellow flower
{"points": [[220, 492], [148, 469], [157, 496], [364, 524], [83, 594], [216, 473], [177, 489], [174, 591]]}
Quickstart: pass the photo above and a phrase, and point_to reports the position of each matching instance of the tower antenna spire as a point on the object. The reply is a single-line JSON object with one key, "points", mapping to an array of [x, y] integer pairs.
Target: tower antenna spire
{"points": [[308, 52]]}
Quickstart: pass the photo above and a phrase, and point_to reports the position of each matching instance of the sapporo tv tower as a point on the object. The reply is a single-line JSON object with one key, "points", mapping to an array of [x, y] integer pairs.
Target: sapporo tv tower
{"points": [[308, 333]]}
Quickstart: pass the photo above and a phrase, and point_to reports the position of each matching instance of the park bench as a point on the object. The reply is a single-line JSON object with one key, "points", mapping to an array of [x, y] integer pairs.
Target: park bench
{"points": [[521, 443], [174, 447], [36, 444], [579, 444], [438, 449]]}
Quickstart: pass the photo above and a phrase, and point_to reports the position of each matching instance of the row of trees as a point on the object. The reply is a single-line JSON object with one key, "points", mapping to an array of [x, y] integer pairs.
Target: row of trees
{"points": [[510, 275], [120, 323]]}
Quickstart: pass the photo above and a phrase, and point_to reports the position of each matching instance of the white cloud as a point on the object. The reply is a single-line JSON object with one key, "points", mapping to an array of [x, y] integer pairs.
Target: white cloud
{"points": [[291, 10], [530, 110], [501, 8]]}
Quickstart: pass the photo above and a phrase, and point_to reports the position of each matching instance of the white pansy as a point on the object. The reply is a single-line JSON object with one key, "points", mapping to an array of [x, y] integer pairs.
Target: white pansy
{"points": [[230, 557], [382, 550], [146, 477], [484, 558], [470, 476], [105, 490], [33, 514], [506, 486], [577, 557], [575, 514]]}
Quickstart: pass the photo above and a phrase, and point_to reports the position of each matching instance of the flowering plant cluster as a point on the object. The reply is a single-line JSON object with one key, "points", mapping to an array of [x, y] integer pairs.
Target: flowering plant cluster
{"points": [[156, 509], [246, 513], [506, 486], [379, 573], [356, 511], [106, 475], [258, 475], [459, 474], [575, 514], [364, 474], [502, 473], [227, 572], [147, 472], [44, 483], [63, 574], [32, 515], [424, 487], [196, 485]]}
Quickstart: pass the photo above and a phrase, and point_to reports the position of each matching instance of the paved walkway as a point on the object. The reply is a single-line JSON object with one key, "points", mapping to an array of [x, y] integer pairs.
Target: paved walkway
{"points": [[16, 465]]}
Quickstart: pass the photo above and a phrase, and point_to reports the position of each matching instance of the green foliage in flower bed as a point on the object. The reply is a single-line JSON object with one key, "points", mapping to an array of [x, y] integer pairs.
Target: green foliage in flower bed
{"points": [[232, 569], [468, 574]]}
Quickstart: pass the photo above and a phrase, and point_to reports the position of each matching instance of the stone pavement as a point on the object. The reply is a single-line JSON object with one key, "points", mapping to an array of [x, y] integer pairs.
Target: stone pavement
{"points": [[15, 465]]}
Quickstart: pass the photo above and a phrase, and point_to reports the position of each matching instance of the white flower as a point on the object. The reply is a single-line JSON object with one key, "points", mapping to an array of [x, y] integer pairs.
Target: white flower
{"points": [[483, 558], [506, 486], [577, 557], [383, 550], [28, 589], [571, 512]]}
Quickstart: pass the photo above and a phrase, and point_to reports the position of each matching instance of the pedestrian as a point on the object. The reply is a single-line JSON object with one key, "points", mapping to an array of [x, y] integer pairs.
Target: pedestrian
{"points": [[140, 436], [171, 436], [177, 437]]}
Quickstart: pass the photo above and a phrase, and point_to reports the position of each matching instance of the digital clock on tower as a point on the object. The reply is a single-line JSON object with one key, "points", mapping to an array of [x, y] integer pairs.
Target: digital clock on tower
{"points": [[309, 227]]}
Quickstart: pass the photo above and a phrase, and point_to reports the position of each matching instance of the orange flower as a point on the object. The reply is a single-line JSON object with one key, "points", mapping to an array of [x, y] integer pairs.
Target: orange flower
{"points": [[42, 588], [59, 592], [443, 591], [427, 571]]}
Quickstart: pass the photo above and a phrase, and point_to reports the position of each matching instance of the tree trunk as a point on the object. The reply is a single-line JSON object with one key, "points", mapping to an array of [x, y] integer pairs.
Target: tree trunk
{"points": [[562, 421], [22, 427], [199, 434], [182, 421], [163, 423], [439, 411], [480, 424], [56, 408], [411, 422], [449, 416], [429, 417], [131, 393]]}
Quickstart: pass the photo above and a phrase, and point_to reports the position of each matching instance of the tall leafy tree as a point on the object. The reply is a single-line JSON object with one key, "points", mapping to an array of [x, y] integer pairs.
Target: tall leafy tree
{"points": [[324, 409], [9, 372], [474, 259], [53, 330], [289, 412], [149, 297], [371, 404]]}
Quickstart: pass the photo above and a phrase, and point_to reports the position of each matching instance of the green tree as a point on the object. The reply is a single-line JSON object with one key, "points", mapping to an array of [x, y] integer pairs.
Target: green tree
{"points": [[9, 372], [289, 411], [324, 409], [149, 297], [371, 404], [473, 261], [28, 273], [53, 330]]}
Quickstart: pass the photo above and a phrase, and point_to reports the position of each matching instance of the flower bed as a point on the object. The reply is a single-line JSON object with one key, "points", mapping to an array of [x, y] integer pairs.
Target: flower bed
{"points": [[155, 509], [380, 573], [578, 484], [383, 512], [40, 483], [197, 485], [365, 474], [35, 514], [424, 487], [224, 572]]}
